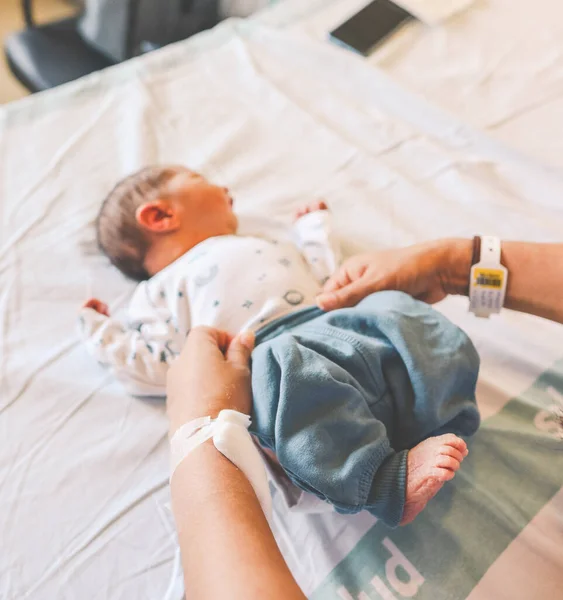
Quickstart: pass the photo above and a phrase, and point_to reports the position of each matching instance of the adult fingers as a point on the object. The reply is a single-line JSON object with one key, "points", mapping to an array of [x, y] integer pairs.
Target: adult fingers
{"points": [[240, 349], [206, 343], [340, 279], [348, 295]]}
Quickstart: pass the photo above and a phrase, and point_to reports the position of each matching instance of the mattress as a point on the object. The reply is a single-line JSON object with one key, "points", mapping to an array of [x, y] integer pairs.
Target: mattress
{"points": [[84, 467]]}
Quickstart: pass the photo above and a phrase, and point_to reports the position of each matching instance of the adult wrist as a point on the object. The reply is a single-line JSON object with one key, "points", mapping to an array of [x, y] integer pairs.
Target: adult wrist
{"points": [[231, 438], [457, 266], [212, 408]]}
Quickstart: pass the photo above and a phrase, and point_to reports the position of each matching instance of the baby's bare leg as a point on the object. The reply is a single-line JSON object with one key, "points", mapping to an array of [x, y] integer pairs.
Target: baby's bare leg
{"points": [[429, 465]]}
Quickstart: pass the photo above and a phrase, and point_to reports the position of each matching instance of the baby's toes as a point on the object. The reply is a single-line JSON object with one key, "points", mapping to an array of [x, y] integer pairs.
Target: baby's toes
{"points": [[453, 452], [440, 475], [450, 439], [444, 461]]}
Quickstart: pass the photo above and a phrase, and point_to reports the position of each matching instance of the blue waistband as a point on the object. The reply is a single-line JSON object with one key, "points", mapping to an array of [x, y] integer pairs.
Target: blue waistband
{"points": [[286, 323]]}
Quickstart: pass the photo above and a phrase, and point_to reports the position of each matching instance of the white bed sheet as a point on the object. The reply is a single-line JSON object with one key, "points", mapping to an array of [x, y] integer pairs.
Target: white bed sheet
{"points": [[497, 65], [279, 119]]}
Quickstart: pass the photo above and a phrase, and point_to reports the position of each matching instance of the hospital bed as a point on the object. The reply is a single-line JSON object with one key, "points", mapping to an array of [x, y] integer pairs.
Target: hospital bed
{"points": [[84, 468], [497, 65]]}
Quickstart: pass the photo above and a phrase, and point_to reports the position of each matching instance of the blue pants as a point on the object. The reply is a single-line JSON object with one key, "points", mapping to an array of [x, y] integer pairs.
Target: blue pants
{"points": [[342, 396]]}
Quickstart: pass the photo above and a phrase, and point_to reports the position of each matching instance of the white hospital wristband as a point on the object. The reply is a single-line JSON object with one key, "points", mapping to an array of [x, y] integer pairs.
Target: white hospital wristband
{"points": [[488, 280], [231, 437]]}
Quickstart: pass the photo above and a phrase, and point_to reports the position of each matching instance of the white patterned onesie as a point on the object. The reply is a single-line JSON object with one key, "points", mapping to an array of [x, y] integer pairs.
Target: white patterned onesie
{"points": [[233, 283]]}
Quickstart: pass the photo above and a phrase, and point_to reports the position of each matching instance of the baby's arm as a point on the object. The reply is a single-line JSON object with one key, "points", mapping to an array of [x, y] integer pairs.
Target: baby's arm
{"points": [[139, 358], [316, 240]]}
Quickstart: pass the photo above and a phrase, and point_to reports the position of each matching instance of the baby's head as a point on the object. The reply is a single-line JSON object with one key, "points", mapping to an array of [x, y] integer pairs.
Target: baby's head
{"points": [[156, 215]]}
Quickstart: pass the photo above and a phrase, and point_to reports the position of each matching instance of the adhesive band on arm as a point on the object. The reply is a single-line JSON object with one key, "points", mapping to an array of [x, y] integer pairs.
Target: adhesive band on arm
{"points": [[488, 280], [231, 437]]}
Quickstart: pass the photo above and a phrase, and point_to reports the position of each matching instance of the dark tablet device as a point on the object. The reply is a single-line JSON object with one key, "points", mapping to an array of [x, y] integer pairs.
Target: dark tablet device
{"points": [[369, 27]]}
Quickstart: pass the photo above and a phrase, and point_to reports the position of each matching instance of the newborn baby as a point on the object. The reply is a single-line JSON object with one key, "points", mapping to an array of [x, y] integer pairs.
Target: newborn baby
{"points": [[360, 405]]}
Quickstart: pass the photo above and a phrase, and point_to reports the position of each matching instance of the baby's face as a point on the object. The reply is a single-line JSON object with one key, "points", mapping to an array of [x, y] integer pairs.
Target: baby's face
{"points": [[205, 209]]}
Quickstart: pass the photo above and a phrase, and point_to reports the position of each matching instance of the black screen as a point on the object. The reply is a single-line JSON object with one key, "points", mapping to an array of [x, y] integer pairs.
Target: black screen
{"points": [[371, 25]]}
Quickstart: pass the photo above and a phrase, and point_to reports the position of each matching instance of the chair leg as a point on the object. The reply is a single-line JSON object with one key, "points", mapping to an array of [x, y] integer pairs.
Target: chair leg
{"points": [[28, 13]]}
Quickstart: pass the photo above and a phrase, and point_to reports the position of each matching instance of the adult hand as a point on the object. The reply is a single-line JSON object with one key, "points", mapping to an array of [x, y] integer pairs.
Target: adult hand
{"points": [[211, 374], [228, 549], [428, 271]]}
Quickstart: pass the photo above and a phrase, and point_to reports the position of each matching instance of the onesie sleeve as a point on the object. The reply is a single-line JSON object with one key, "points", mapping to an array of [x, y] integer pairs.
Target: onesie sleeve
{"points": [[139, 353], [316, 240]]}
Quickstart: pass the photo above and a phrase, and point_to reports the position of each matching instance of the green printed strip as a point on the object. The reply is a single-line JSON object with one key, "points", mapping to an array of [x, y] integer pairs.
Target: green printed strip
{"points": [[514, 467]]}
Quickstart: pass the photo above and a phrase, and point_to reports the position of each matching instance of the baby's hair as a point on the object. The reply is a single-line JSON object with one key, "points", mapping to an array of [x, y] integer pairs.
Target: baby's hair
{"points": [[119, 236]]}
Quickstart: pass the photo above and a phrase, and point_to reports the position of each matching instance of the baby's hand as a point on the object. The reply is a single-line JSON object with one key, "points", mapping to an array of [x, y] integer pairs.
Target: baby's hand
{"points": [[97, 305], [313, 207]]}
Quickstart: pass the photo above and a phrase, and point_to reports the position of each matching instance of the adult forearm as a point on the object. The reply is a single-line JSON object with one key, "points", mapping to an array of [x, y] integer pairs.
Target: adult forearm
{"points": [[535, 280], [228, 550]]}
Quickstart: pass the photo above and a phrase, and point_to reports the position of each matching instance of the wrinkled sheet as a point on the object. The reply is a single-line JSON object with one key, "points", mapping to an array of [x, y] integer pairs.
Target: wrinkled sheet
{"points": [[279, 119], [498, 65]]}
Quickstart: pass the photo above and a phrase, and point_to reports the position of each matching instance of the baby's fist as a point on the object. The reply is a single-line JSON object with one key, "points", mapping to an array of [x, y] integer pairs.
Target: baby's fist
{"points": [[313, 207], [97, 305]]}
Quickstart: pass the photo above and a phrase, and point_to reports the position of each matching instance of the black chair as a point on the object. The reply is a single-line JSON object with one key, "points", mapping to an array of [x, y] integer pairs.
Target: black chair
{"points": [[44, 56]]}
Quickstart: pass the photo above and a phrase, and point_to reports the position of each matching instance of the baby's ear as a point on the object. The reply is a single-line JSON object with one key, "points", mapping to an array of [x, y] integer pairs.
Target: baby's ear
{"points": [[157, 216]]}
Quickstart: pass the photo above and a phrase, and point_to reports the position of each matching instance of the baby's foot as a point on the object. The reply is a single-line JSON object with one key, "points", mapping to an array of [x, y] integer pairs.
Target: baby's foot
{"points": [[429, 465]]}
